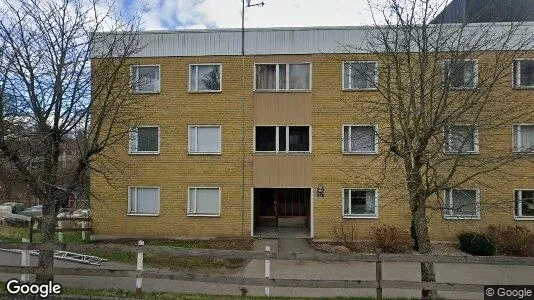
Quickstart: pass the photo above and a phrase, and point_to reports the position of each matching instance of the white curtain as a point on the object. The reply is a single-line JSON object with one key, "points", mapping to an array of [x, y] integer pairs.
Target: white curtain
{"points": [[265, 77], [527, 137], [147, 200], [370, 200], [464, 202], [299, 76], [362, 139], [204, 201]]}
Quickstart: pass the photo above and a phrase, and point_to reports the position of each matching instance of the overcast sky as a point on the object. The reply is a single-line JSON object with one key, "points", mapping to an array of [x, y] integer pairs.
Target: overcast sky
{"points": [[199, 14]]}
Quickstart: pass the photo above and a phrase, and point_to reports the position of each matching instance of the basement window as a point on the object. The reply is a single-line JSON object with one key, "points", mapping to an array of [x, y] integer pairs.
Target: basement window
{"points": [[360, 139], [283, 77], [204, 201], [462, 204], [524, 204], [279, 139], [205, 78], [144, 140], [461, 139], [524, 73], [145, 79], [524, 138], [461, 74], [360, 75], [360, 203], [143, 201]]}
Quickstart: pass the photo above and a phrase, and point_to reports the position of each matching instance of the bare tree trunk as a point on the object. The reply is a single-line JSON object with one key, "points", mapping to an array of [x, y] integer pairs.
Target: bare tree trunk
{"points": [[48, 229]]}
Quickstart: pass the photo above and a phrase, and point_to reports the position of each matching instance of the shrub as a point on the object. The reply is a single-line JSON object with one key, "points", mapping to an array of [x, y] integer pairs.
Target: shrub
{"points": [[476, 244], [346, 235], [512, 240], [391, 239]]}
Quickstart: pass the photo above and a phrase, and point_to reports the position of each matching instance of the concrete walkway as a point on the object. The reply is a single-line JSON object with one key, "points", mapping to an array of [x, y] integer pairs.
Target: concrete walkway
{"points": [[460, 273]]}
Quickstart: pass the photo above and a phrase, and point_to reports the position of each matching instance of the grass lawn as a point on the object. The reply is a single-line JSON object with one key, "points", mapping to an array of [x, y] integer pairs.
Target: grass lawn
{"points": [[15, 234]]}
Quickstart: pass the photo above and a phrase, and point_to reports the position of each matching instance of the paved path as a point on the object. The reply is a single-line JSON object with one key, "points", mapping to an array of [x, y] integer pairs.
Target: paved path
{"points": [[461, 273]]}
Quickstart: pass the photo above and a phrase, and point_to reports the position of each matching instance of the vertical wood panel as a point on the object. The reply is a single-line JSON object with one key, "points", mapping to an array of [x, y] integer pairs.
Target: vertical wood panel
{"points": [[282, 171]]}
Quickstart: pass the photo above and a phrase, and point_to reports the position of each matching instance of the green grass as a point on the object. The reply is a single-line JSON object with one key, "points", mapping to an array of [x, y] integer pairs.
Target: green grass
{"points": [[12, 234]]}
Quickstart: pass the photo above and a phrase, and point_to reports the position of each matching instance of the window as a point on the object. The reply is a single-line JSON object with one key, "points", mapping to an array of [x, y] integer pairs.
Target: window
{"points": [[462, 204], [205, 139], [461, 139], [524, 73], [524, 138], [144, 140], [524, 203], [360, 139], [283, 139], [145, 79], [461, 74], [204, 201], [361, 75], [205, 78], [360, 203], [280, 77], [143, 200]]}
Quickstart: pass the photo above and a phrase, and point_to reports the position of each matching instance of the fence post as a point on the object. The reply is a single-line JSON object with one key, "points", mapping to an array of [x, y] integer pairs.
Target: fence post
{"points": [[139, 279], [31, 230], [267, 271], [25, 261], [378, 276], [60, 233], [84, 234]]}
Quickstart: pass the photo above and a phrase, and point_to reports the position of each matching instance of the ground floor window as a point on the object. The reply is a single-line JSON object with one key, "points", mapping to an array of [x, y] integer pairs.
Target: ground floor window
{"points": [[360, 203], [462, 203], [524, 203], [143, 200], [204, 201]]}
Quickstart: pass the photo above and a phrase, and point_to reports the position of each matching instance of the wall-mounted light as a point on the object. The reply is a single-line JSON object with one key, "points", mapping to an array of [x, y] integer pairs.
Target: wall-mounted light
{"points": [[320, 191]]}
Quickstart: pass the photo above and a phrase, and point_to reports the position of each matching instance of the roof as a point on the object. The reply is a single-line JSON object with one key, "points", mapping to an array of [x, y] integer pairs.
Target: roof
{"points": [[483, 11]]}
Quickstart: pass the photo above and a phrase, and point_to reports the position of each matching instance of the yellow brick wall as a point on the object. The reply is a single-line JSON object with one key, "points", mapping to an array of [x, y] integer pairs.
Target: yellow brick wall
{"points": [[173, 170]]}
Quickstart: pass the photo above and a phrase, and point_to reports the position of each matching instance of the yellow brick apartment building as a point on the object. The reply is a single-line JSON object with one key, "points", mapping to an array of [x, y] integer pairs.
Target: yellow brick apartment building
{"points": [[231, 145]]}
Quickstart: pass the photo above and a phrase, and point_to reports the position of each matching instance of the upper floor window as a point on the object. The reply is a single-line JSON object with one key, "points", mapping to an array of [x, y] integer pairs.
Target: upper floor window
{"points": [[143, 200], [361, 203], [145, 79], [144, 140], [461, 139], [462, 203], [524, 203], [524, 138], [205, 139], [282, 139], [361, 75], [461, 74], [524, 73], [283, 77], [205, 78], [362, 139]]}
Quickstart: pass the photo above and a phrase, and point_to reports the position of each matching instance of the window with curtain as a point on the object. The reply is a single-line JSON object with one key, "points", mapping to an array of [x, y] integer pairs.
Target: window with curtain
{"points": [[145, 79], [524, 138], [360, 75], [144, 140], [360, 202], [461, 139], [282, 139], [524, 203], [143, 200], [524, 73], [205, 78], [280, 77], [204, 201], [462, 203], [360, 139], [461, 74], [205, 139]]}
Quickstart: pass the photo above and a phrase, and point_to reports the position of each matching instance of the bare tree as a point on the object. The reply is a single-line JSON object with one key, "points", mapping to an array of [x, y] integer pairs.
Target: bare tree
{"points": [[64, 63], [439, 87]]}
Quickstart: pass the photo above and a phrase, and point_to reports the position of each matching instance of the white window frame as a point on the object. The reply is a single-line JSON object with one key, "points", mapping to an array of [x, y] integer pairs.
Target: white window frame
{"points": [[344, 88], [515, 140], [191, 90], [189, 127], [520, 217], [358, 216], [133, 130], [277, 86], [447, 140], [474, 87], [447, 214], [277, 140], [516, 78], [130, 200], [189, 213], [350, 131], [134, 69]]}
